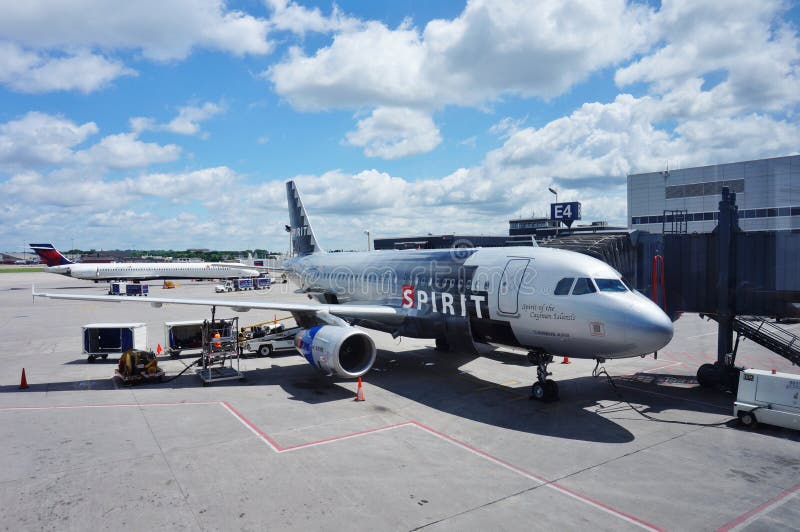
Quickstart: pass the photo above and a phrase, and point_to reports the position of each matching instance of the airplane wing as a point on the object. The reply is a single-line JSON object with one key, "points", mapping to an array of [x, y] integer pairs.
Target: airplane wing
{"points": [[379, 313]]}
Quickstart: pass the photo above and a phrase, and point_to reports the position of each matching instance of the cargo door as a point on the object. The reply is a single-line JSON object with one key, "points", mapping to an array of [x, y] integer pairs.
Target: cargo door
{"points": [[125, 339], [508, 289], [87, 341]]}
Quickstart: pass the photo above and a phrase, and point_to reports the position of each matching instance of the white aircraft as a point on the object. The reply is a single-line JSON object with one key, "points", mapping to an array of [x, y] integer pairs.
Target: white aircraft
{"points": [[139, 271], [547, 301]]}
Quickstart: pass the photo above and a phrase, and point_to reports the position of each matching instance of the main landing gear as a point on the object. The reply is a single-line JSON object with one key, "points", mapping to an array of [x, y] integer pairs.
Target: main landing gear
{"points": [[543, 389]]}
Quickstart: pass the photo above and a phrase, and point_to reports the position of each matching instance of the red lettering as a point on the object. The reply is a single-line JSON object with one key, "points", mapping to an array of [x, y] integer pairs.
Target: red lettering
{"points": [[408, 296]]}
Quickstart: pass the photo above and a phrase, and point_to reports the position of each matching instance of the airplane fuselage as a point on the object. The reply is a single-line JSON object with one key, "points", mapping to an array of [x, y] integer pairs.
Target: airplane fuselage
{"points": [[557, 301], [152, 271]]}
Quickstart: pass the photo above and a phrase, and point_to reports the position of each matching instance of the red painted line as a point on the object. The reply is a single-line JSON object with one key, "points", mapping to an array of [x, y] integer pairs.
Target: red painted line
{"points": [[345, 437], [761, 508], [499, 461], [566, 491], [258, 432], [275, 446], [113, 405]]}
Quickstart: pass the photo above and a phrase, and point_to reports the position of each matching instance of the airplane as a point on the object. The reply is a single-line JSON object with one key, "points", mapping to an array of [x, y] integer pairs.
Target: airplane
{"points": [[138, 271], [544, 300]]}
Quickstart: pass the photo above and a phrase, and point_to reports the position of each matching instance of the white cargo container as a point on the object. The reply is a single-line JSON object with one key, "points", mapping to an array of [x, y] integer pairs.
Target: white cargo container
{"points": [[103, 339], [767, 397], [183, 336]]}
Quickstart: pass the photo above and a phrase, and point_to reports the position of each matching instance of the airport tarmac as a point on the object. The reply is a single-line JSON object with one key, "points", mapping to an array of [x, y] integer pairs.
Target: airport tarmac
{"points": [[442, 442]]}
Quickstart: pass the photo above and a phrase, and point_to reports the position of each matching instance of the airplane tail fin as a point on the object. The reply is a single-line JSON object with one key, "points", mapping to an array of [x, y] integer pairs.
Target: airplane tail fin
{"points": [[50, 255], [303, 240]]}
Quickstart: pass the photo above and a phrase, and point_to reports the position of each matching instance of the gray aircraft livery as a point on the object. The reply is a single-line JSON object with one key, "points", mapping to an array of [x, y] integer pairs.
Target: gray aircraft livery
{"points": [[546, 301]]}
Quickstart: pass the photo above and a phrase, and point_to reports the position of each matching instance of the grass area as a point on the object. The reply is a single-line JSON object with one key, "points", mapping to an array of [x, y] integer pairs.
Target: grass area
{"points": [[21, 270]]}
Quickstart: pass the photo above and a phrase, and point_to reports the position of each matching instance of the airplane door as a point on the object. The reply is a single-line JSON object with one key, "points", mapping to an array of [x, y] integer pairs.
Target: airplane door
{"points": [[508, 291]]}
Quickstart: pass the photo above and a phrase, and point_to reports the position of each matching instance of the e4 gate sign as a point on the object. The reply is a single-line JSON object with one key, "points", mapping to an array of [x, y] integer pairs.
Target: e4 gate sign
{"points": [[565, 212]]}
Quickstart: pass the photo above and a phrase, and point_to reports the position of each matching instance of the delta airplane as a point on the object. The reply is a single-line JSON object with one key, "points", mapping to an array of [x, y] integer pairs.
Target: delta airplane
{"points": [[546, 301], [138, 271]]}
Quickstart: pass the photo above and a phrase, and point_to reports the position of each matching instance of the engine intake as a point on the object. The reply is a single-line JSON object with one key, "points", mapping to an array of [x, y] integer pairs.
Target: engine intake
{"points": [[343, 351]]}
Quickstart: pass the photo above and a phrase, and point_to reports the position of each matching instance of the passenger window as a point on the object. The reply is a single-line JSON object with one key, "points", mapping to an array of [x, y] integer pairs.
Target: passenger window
{"points": [[563, 286], [583, 285]]}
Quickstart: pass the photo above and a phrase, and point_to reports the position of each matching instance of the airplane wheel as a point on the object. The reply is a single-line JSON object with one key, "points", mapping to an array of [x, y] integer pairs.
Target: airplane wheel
{"points": [[707, 376], [551, 390], [538, 391], [748, 419]]}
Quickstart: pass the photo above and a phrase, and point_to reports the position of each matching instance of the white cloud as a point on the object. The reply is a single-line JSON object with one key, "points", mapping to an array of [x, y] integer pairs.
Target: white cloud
{"points": [[162, 30], [186, 123], [203, 184], [290, 16], [747, 45], [491, 49], [41, 139], [124, 150], [391, 132], [27, 71]]}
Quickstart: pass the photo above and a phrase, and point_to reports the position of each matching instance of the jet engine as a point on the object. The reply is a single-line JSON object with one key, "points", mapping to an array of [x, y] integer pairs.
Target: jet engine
{"points": [[343, 351]]}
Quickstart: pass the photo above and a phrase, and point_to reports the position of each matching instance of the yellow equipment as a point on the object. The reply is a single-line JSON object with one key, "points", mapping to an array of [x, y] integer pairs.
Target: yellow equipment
{"points": [[136, 365]]}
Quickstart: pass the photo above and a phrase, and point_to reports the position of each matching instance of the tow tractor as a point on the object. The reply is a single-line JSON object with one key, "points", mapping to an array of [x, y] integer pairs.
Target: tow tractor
{"points": [[267, 338]]}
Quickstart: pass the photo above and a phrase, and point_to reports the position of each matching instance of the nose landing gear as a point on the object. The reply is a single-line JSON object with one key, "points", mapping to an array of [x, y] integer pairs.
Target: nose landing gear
{"points": [[543, 389]]}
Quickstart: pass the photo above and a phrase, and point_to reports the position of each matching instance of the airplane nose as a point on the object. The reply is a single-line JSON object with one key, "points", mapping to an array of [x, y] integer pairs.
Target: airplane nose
{"points": [[653, 328]]}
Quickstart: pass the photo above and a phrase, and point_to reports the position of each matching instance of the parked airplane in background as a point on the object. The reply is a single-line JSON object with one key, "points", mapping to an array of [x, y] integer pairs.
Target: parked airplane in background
{"points": [[138, 271], [545, 300]]}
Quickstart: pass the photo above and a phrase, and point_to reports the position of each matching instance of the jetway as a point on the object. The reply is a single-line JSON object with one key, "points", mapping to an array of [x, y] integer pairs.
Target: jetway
{"points": [[726, 275]]}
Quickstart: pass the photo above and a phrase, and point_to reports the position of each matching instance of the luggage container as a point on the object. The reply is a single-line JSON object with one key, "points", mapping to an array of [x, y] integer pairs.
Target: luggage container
{"points": [[767, 397], [182, 336], [262, 283], [103, 339], [135, 289], [117, 289]]}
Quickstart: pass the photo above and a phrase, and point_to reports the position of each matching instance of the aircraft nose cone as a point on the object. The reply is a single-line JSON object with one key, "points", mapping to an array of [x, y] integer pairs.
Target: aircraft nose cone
{"points": [[657, 329]]}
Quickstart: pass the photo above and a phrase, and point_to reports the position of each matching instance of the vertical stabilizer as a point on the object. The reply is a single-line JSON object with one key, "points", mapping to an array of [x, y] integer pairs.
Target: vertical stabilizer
{"points": [[50, 255], [303, 240]]}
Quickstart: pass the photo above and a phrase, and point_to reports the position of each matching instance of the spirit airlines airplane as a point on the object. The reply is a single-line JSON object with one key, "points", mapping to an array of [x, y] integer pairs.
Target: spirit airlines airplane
{"points": [[547, 301], [138, 271]]}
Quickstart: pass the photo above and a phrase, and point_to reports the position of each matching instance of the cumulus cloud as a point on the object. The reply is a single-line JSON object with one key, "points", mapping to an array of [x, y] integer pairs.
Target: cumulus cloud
{"points": [[62, 46], [124, 150], [40, 139], [186, 123], [746, 44], [490, 49], [290, 16], [28, 71], [162, 30], [391, 132]]}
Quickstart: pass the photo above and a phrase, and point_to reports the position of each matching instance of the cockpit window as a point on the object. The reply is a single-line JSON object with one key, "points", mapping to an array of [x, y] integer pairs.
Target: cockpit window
{"points": [[583, 285], [563, 286], [610, 285]]}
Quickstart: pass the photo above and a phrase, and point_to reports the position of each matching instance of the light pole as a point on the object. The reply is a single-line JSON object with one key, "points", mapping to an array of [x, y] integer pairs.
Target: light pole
{"points": [[558, 222], [366, 232]]}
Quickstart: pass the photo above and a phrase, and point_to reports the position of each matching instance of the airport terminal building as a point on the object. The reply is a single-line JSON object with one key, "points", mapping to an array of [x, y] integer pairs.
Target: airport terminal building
{"points": [[686, 200]]}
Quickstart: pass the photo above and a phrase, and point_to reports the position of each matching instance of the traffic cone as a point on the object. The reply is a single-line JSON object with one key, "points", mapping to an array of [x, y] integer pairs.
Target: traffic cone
{"points": [[360, 391], [23, 382], [158, 349], [566, 361]]}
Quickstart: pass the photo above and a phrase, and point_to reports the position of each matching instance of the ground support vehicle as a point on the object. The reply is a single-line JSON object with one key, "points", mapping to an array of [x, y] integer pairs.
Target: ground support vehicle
{"points": [[277, 338], [768, 397]]}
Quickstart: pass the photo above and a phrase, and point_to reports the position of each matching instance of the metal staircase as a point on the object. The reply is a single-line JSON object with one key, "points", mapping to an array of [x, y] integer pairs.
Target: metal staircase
{"points": [[769, 335]]}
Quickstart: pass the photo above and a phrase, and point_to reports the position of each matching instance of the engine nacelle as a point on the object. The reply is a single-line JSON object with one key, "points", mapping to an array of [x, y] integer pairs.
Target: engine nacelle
{"points": [[344, 351]]}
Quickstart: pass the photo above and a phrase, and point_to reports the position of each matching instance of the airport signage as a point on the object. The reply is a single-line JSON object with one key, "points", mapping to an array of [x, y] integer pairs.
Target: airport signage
{"points": [[565, 212]]}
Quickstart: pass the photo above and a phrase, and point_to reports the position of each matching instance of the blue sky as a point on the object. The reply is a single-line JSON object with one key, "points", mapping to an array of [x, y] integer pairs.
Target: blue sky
{"points": [[175, 123]]}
